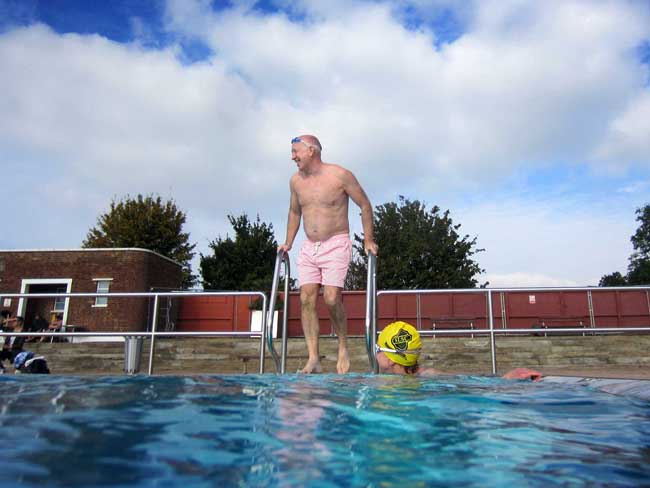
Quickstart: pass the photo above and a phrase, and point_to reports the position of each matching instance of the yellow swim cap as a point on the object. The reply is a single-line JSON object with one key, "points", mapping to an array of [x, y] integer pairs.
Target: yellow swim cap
{"points": [[401, 343]]}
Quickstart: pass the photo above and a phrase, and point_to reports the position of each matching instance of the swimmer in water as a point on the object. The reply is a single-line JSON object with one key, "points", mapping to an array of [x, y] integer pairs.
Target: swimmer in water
{"points": [[398, 349]]}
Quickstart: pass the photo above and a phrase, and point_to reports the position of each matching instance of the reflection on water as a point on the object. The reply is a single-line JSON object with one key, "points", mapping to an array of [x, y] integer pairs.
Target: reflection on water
{"points": [[353, 430]]}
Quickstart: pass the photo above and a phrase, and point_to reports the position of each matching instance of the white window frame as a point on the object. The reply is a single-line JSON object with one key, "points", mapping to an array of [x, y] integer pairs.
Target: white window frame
{"points": [[102, 302], [22, 302]]}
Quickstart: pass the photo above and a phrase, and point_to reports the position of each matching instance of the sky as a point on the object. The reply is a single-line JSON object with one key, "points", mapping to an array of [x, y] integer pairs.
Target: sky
{"points": [[528, 120]]}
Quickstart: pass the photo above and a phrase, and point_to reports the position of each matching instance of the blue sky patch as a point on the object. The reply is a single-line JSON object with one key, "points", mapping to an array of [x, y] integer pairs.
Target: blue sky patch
{"points": [[643, 52], [121, 21], [444, 23], [108, 19]]}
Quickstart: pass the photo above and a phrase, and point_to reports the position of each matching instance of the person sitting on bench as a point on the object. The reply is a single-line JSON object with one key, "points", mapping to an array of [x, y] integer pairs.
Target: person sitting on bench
{"points": [[12, 345]]}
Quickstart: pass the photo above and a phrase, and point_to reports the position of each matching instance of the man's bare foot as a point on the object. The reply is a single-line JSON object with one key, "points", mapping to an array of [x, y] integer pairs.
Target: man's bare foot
{"points": [[312, 367], [343, 364]]}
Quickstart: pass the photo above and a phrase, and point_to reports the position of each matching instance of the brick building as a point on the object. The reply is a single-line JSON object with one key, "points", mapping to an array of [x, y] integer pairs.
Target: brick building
{"points": [[86, 271]]}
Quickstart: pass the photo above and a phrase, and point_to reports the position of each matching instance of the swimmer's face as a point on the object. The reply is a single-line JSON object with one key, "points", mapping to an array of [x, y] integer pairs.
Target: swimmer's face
{"points": [[385, 365], [301, 153]]}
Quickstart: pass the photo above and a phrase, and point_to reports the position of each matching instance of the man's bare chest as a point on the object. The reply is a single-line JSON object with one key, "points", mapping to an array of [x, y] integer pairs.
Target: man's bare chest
{"points": [[321, 193]]}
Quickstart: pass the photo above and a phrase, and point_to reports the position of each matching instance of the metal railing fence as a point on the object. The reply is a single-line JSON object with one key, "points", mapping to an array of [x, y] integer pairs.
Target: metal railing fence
{"points": [[152, 333], [373, 299]]}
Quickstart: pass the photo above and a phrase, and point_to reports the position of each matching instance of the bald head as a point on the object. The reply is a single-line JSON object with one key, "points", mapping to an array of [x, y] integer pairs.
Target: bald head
{"points": [[310, 141]]}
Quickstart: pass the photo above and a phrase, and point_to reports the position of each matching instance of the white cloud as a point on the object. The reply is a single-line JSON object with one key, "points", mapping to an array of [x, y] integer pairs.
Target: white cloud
{"points": [[526, 84], [122, 116], [529, 84], [549, 241], [628, 135], [635, 187]]}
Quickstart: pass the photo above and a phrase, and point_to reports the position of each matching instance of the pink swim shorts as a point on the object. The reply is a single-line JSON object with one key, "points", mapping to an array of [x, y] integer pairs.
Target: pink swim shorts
{"points": [[325, 262]]}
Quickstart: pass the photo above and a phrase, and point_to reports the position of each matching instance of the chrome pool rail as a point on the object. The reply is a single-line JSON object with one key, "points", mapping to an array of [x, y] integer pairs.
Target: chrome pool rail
{"points": [[280, 363], [371, 312], [152, 334]]}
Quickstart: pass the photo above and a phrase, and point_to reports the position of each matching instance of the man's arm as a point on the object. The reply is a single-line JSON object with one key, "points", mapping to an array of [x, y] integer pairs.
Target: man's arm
{"points": [[358, 196], [293, 220], [523, 374]]}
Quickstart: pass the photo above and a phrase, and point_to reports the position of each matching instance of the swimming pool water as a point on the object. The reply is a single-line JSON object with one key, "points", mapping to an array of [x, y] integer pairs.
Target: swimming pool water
{"points": [[321, 431]]}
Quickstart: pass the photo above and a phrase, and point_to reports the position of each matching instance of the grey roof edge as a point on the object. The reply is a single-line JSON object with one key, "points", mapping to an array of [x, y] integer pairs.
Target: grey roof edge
{"points": [[94, 249], [625, 387]]}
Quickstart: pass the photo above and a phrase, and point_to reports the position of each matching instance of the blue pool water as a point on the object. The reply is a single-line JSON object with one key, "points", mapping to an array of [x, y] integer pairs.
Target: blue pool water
{"points": [[321, 431]]}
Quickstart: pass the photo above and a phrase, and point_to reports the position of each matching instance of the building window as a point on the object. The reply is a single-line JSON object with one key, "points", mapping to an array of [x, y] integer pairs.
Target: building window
{"points": [[103, 286], [59, 302]]}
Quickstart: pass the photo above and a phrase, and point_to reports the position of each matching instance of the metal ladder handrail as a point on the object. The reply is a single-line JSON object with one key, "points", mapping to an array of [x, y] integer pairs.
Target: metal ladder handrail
{"points": [[280, 362], [371, 312]]}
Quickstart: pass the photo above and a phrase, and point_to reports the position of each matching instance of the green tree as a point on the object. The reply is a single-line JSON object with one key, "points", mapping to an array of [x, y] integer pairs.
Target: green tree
{"points": [[148, 223], [244, 263], [638, 270], [613, 279], [417, 249]]}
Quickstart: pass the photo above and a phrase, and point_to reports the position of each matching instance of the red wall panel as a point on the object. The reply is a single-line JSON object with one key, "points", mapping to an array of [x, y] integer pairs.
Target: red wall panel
{"points": [[523, 309], [633, 303], [621, 308], [605, 303], [533, 304], [214, 313], [576, 304]]}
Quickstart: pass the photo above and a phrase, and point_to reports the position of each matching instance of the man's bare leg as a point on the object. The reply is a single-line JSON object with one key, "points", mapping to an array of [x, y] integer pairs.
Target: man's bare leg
{"points": [[334, 302], [308, 296]]}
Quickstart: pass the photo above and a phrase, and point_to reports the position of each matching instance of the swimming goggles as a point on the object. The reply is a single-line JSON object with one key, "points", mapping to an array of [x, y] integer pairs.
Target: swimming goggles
{"points": [[296, 140], [415, 352]]}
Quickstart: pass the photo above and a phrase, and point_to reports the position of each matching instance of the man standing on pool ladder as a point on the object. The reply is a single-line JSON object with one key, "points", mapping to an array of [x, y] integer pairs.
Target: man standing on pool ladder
{"points": [[320, 193]]}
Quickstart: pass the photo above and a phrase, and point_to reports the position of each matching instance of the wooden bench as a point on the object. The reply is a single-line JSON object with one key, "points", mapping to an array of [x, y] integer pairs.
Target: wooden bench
{"points": [[453, 323], [560, 322]]}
